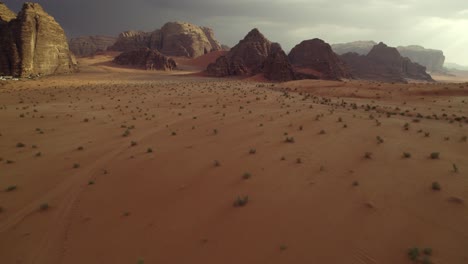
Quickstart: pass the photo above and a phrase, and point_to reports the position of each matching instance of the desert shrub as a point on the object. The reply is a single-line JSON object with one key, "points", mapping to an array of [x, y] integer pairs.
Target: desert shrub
{"points": [[435, 155], [368, 155], [76, 166], [20, 145], [427, 251], [246, 176], [406, 155], [149, 150], [11, 188], [133, 143], [241, 201], [436, 186], [289, 140], [413, 253], [44, 207], [379, 140], [252, 151]]}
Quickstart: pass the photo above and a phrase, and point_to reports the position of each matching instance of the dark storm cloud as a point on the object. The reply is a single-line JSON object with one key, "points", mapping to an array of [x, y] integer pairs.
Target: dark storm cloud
{"points": [[431, 23]]}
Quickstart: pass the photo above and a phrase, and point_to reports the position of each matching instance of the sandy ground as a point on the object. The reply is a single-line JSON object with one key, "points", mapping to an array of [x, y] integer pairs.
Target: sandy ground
{"points": [[79, 191]]}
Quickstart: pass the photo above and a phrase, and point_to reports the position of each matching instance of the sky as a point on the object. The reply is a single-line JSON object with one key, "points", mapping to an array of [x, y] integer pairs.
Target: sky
{"points": [[433, 24]]}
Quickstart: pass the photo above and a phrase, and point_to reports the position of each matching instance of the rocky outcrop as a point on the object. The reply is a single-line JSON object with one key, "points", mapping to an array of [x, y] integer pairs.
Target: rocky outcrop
{"points": [[147, 59], [173, 39], [317, 55], [33, 43], [359, 47], [432, 59], [384, 63], [253, 55], [87, 46]]}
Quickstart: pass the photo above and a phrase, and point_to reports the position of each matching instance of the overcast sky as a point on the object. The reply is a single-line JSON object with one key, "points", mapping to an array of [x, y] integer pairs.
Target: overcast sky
{"points": [[437, 24]]}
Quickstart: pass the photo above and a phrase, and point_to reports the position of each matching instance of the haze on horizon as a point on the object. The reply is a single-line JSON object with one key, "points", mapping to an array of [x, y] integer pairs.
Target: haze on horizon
{"points": [[396, 22]]}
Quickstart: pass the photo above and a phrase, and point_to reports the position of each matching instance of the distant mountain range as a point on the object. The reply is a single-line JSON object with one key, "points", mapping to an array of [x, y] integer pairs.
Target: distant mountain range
{"points": [[454, 66]]}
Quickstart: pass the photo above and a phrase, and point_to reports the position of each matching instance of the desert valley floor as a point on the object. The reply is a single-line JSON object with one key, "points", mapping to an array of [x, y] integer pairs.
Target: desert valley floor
{"points": [[114, 165]]}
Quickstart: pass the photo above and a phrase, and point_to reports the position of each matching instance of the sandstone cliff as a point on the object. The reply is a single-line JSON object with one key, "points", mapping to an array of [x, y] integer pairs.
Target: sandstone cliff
{"points": [[86, 46], [173, 39], [359, 47], [33, 43], [384, 63], [254, 54], [432, 59], [317, 55], [147, 59]]}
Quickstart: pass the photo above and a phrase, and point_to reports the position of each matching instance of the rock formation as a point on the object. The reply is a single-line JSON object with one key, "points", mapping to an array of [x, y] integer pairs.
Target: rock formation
{"points": [[359, 47], [254, 55], [317, 55], [384, 63], [146, 58], [87, 46], [432, 59], [32, 43], [173, 39]]}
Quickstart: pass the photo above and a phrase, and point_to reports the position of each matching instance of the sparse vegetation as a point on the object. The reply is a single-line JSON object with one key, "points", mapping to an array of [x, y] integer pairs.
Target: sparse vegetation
{"points": [[11, 188], [436, 186], [44, 207], [241, 201], [434, 155]]}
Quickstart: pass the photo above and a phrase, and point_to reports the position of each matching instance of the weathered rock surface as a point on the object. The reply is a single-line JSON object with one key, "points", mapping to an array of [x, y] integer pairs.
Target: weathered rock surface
{"points": [[359, 47], [147, 59], [432, 59], [87, 46], [384, 63], [173, 39], [317, 55], [33, 43], [253, 55]]}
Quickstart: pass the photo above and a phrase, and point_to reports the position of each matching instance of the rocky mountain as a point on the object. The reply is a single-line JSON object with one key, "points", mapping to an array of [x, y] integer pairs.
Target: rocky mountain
{"points": [[86, 46], [317, 55], [384, 63], [146, 58], [432, 59], [173, 39], [253, 55], [359, 47], [32, 43]]}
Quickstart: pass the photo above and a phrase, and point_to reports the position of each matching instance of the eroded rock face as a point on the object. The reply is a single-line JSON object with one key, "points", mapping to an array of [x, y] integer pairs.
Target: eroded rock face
{"points": [[33, 43], [146, 58], [317, 55], [253, 55], [432, 59], [87, 46], [173, 39], [384, 63]]}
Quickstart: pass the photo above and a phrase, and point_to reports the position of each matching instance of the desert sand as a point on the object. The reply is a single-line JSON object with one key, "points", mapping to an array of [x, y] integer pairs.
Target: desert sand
{"points": [[114, 165]]}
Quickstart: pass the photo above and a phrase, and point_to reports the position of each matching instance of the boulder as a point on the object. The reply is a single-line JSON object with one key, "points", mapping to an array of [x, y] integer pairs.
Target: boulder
{"points": [[86, 46], [147, 59], [317, 55], [33, 43], [253, 55]]}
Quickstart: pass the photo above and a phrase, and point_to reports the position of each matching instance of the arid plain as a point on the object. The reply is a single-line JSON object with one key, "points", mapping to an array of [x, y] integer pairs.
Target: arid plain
{"points": [[150, 165]]}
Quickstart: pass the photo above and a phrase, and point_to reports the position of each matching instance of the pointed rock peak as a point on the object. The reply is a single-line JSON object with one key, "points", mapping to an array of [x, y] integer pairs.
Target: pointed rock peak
{"points": [[255, 34], [33, 6], [5, 13]]}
